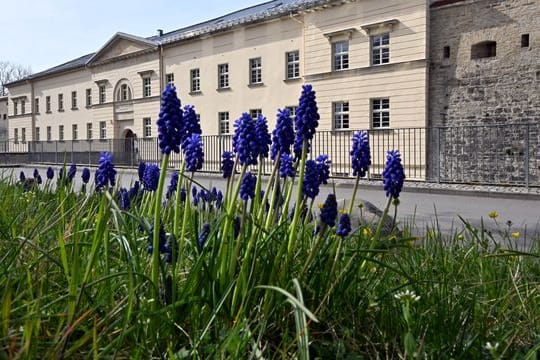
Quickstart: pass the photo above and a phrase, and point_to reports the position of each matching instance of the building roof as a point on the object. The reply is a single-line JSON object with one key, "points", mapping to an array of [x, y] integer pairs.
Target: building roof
{"points": [[253, 14]]}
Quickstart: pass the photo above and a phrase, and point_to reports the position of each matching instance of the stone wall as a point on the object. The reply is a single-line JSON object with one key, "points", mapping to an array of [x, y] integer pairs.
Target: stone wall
{"points": [[494, 91]]}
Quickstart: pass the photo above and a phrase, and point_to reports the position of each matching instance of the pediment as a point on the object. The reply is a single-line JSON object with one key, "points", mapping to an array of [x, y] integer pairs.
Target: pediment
{"points": [[121, 45]]}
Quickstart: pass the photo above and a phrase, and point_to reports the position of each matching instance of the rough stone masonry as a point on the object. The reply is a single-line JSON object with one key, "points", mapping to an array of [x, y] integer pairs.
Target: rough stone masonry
{"points": [[485, 79]]}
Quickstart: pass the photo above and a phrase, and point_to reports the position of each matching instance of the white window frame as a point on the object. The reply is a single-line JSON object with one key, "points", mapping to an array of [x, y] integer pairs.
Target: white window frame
{"points": [[73, 100], [47, 104], [89, 133], [60, 132], [255, 71], [60, 102], [23, 135], [49, 133], [224, 123], [102, 130], [74, 132], [88, 97], [340, 55], [169, 78], [223, 76], [37, 134], [340, 115], [36, 105], [292, 110], [292, 59], [380, 109], [102, 94], [254, 113], [15, 108], [380, 49], [16, 135], [195, 80], [147, 86], [147, 127], [23, 106]]}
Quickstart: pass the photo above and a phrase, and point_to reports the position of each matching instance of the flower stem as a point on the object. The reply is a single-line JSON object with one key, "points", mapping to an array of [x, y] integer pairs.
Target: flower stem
{"points": [[155, 240], [297, 210], [351, 205]]}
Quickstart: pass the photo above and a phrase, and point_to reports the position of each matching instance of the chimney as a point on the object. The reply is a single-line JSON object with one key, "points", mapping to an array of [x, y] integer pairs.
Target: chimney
{"points": [[160, 32]]}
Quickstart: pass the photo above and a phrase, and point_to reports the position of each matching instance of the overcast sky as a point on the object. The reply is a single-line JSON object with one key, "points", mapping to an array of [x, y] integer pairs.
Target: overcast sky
{"points": [[45, 33]]}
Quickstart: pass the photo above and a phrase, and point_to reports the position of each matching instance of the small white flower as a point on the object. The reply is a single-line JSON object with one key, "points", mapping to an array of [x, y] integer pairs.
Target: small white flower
{"points": [[407, 295], [490, 347]]}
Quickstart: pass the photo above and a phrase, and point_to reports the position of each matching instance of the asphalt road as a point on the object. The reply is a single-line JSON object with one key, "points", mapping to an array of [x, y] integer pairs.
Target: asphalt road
{"points": [[420, 209]]}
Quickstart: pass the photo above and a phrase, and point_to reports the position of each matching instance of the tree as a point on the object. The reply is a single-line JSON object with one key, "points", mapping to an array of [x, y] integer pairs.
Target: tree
{"points": [[10, 72]]}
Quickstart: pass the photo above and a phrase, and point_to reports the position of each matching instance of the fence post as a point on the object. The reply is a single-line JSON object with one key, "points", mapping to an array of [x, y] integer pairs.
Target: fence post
{"points": [[527, 162], [438, 155], [56, 151]]}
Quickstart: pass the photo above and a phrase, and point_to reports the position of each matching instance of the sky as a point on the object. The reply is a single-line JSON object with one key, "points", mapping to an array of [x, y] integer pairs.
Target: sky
{"points": [[45, 33]]}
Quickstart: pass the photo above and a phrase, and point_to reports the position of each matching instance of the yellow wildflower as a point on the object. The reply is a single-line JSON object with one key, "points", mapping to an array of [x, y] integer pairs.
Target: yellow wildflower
{"points": [[493, 214], [366, 232], [515, 235]]}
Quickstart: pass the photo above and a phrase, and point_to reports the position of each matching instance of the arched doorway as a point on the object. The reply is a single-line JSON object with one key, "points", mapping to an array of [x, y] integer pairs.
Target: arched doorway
{"points": [[129, 146]]}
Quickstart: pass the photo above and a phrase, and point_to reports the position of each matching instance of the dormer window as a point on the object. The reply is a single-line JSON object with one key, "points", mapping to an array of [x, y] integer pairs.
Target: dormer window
{"points": [[484, 49]]}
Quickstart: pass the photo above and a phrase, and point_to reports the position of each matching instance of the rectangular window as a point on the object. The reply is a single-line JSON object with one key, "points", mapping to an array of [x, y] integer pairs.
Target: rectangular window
{"points": [[88, 131], [380, 113], [102, 129], [88, 97], [293, 64], [525, 40], [292, 110], [255, 71], [223, 76], [147, 125], [49, 133], [340, 55], [36, 105], [23, 135], [15, 107], [223, 123], [195, 80], [48, 104], [380, 49], [23, 107], [73, 100], [16, 135], [446, 52], [102, 94], [340, 114], [60, 102], [61, 132], [169, 78], [74, 132], [254, 113], [38, 136], [147, 87]]}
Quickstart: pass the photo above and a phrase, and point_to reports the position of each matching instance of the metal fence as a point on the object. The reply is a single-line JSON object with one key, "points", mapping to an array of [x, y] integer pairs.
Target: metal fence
{"points": [[491, 154]]}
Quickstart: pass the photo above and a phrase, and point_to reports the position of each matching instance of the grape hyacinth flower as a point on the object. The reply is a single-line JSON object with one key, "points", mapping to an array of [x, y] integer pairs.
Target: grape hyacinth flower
{"points": [[393, 175], [22, 177], [310, 187], [329, 210], [263, 136], [50, 173], [140, 170], [85, 176], [39, 180], [71, 172], [170, 121], [323, 165], [203, 235], [151, 177], [247, 188], [134, 190], [360, 154], [172, 185], [194, 191], [183, 194], [190, 125], [245, 140], [344, 225], [125, 201], [283, 134], [227, 164], [286, 168], [193, 152], [36, 173], [105, 173], [306, 119], [163, 248]]}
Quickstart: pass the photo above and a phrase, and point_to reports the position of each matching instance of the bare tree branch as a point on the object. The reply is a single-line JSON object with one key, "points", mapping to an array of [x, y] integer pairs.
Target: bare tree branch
{"points": [[10, 72]]}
